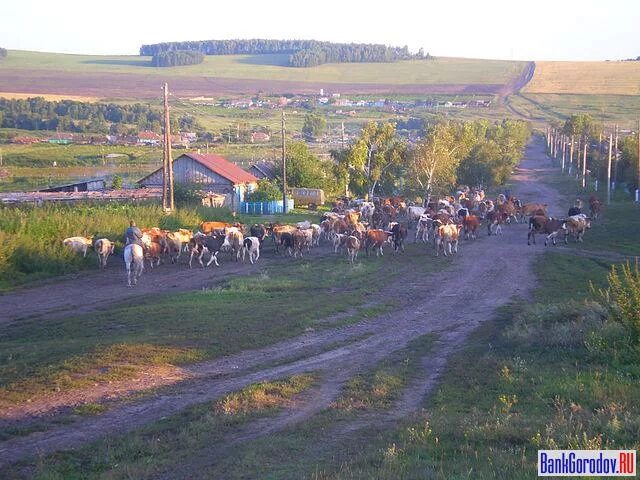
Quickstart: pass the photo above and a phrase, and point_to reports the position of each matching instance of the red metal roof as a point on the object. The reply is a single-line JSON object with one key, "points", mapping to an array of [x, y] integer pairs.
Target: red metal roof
{"points": [[223, 167]]}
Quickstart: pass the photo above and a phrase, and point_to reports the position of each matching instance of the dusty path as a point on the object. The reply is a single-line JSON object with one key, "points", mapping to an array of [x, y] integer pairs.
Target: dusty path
{"points": [[485, 275]]}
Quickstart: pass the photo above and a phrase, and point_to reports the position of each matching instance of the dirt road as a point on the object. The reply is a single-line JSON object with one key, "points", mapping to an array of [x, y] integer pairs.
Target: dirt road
{"points": [[486, 274]]}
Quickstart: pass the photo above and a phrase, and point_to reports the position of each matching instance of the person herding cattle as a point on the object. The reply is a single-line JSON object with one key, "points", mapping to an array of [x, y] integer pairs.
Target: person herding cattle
{"points": [[133, 235]]}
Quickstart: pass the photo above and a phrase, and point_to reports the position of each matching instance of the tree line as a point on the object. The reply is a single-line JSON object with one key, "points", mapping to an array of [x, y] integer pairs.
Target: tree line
{"points": [[72, 116], [380, 162], [176, 58], [303, 53], [3, 53]]}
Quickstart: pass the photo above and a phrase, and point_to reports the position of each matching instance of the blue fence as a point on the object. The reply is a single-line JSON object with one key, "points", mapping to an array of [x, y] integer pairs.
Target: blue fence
{"points": [[265, 208]]}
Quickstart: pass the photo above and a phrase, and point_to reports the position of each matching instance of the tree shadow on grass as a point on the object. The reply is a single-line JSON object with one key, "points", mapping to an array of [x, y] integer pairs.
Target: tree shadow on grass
{"points": [[141, 62]]}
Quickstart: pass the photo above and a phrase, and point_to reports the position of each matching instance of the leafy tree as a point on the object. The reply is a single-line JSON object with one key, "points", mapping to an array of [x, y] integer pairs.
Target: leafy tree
{"points": [[116, 183], [314, 125], [375, 158], [306, 170], [266, 191], [434, 161], [628, 167], [177, 58]]}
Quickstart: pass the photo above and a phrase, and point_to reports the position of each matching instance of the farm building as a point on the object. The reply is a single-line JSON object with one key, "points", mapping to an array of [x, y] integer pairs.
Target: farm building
{"points": [[263, 170], [85, 186], [209, 172]]}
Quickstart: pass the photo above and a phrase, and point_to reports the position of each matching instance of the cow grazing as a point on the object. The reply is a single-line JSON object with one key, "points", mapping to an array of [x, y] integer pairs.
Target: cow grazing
{"points": [[470, 223], [376, 239], [352, 244], [251, 245], [576, 225], [258, 231], [540, 224], [103, 248], [447, 239], [201, 244], [213, 227], [78, 244], [233, 241], [399, 233]]}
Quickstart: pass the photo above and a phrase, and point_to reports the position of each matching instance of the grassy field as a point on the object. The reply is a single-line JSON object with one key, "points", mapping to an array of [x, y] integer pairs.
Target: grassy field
{"points": [[273, 67], [588, 78], [605, 109]]}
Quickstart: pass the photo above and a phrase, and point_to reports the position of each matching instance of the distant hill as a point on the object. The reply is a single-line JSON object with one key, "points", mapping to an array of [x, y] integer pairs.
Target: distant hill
{"points": [[302, 53], [133, 77]]}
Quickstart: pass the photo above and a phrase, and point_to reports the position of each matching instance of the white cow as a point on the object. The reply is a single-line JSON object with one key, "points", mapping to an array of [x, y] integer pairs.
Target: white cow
{"points": [[78, 244], [251, 245], [103, 248]]}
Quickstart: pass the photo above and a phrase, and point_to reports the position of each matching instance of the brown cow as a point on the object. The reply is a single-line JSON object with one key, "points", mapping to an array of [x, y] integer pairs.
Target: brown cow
{"points": [[470, 223], [541, 224], [376, 239], [352, 245], [214, 227]]}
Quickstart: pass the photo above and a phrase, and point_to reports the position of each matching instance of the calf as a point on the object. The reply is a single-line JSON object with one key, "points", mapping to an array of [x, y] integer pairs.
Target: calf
{"points": [[352, 244], [277, 231], [78, 244], [399, 233], [425, 223], [103, 248], [300, 241], [540, 224], [252, 247]]}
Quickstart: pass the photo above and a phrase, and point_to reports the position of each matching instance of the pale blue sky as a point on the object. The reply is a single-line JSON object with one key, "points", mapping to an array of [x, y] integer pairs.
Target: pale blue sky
{"points": [[538, 30]]}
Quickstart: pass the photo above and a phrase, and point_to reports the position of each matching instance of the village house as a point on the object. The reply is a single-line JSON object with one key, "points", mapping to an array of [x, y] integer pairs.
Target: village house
{"points": [[259, 137], [149, 138], [209, 173]]}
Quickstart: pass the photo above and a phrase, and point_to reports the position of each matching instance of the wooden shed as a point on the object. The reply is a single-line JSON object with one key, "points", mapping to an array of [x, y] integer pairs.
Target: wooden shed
{"points": [[208, 172]]}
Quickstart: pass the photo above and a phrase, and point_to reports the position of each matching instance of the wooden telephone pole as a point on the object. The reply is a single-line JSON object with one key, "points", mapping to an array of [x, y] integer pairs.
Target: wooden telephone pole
{"points": [[284, 167], [638, 187], [609, 169], [167, 192]]}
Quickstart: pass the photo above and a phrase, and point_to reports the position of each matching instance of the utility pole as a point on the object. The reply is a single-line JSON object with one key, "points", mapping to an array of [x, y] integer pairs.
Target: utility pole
{"points": [[609, 170], [284, 167], [168, 198], [0, 157], [564, 148], [638, 187], [615, 161], [342, 129], [584, 165], [571, 154]]}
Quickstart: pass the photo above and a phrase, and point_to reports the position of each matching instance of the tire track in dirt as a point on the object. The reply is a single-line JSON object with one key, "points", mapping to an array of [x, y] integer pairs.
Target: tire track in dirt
{"points": [[485, 275]]}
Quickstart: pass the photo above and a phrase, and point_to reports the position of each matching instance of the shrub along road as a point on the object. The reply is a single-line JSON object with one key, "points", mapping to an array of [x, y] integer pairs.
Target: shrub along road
{"points": [[485, 275]]}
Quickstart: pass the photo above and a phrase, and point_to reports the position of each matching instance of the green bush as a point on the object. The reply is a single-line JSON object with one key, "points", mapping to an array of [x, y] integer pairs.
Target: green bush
{"points": [[622, 298]]}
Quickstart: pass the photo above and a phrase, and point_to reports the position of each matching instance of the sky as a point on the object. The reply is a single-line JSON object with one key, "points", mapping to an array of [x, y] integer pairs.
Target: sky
{"points": [[502, 29]]}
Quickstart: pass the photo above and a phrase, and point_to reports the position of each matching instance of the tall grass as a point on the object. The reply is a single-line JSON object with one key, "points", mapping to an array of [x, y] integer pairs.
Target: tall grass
{"points": [[31, 237]]}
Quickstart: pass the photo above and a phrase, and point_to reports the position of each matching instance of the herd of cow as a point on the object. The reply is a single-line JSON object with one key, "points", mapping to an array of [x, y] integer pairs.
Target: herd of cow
{"points": [[349, 228]]}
